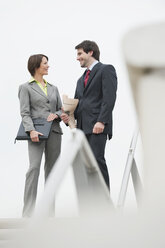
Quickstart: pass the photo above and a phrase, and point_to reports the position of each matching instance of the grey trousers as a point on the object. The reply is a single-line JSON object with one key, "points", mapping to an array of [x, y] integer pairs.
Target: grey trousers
{"points": [[51, 148]]}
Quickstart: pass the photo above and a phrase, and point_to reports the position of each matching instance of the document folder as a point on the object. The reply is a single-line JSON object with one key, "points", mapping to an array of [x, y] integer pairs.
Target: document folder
{"points": [[41, 125]]}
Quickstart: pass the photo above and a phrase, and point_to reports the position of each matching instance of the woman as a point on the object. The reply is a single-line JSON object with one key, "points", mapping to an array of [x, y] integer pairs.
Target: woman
{"points": [[39, 99]]}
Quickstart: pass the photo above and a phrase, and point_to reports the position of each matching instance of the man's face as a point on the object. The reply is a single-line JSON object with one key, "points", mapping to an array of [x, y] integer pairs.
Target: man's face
{"points": [[83, 57]]}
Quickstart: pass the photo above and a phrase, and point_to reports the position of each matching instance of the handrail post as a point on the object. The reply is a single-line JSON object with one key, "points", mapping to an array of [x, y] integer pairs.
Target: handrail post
{"points": [[128, 170]]}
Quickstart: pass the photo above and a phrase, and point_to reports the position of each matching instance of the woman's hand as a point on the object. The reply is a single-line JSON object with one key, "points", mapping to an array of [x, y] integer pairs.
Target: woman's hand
{"points": [[51, 117], [34, 135]]}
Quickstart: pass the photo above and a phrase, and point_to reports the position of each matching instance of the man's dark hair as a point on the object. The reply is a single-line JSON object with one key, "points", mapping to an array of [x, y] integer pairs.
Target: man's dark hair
{"points": [[89, 46], [34, 62]]}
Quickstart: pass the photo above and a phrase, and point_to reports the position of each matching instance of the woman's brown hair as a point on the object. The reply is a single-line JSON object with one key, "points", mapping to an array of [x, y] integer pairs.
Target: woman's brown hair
{"points": [[34, 62]]}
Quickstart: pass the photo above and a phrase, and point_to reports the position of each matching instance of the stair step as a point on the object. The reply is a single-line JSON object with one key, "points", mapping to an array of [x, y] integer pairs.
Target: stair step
{"points": [[8, 234], [17, 223]]}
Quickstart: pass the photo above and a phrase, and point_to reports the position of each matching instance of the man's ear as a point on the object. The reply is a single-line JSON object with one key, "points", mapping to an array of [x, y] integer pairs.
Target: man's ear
{"points": [[91, 53]]}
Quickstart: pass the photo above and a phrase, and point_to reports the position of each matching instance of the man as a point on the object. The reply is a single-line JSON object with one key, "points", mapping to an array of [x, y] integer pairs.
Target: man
{"points": [[96, 91]]}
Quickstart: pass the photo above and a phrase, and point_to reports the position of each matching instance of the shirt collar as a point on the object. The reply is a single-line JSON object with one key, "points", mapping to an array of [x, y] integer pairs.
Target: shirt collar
{"points": [[93, 64], [33, 80]]}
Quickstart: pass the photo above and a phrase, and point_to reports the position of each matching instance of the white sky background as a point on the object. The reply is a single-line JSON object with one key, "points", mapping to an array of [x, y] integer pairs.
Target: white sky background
{"points": [[54, 28]]}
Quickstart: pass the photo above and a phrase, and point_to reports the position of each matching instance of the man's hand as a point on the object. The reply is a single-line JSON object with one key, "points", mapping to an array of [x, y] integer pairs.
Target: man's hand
{"points": [[52, 116], [64, 117], [34, 135], [98, 128]]}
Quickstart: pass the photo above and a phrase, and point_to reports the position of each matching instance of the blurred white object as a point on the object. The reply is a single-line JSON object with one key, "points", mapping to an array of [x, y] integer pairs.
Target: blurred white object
{"points": [[131, 169], [144, 51], [92, 192]]}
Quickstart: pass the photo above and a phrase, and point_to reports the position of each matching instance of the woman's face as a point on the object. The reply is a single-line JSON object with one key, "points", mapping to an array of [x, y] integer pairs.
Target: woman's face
{"points": [[43, 69]]}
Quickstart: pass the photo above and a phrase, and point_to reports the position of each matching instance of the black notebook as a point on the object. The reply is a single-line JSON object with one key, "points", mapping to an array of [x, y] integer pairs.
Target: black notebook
{"points": [[41, 125]]}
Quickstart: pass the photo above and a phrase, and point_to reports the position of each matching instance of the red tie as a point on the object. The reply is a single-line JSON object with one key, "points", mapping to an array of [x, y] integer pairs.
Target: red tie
{"points": [[86, 77]]}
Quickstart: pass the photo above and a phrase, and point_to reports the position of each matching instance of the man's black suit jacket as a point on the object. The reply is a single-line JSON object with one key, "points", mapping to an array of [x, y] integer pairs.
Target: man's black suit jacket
{"points": [[97, 99]]}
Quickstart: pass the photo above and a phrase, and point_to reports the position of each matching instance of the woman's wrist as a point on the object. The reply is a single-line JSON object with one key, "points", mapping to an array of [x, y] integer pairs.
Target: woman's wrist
{"points": [[31, 131]]}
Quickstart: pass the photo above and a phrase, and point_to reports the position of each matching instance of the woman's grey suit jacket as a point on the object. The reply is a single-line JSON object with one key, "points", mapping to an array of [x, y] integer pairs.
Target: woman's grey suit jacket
{"points": [[35, 104]]}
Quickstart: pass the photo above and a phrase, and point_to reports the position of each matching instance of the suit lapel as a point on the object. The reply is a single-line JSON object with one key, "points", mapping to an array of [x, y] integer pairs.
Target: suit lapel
{"points": [[92, 74], [49, 90], [35, 87], [81, 84]]}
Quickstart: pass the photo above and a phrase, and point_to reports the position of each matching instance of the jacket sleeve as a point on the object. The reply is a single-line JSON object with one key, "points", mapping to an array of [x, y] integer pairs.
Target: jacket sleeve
{"points": [[25, 108], [109, 87]]}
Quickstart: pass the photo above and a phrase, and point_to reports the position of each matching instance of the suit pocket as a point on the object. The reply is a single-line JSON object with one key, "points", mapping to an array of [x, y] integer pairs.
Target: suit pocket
{"points": [[56, 128]]}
